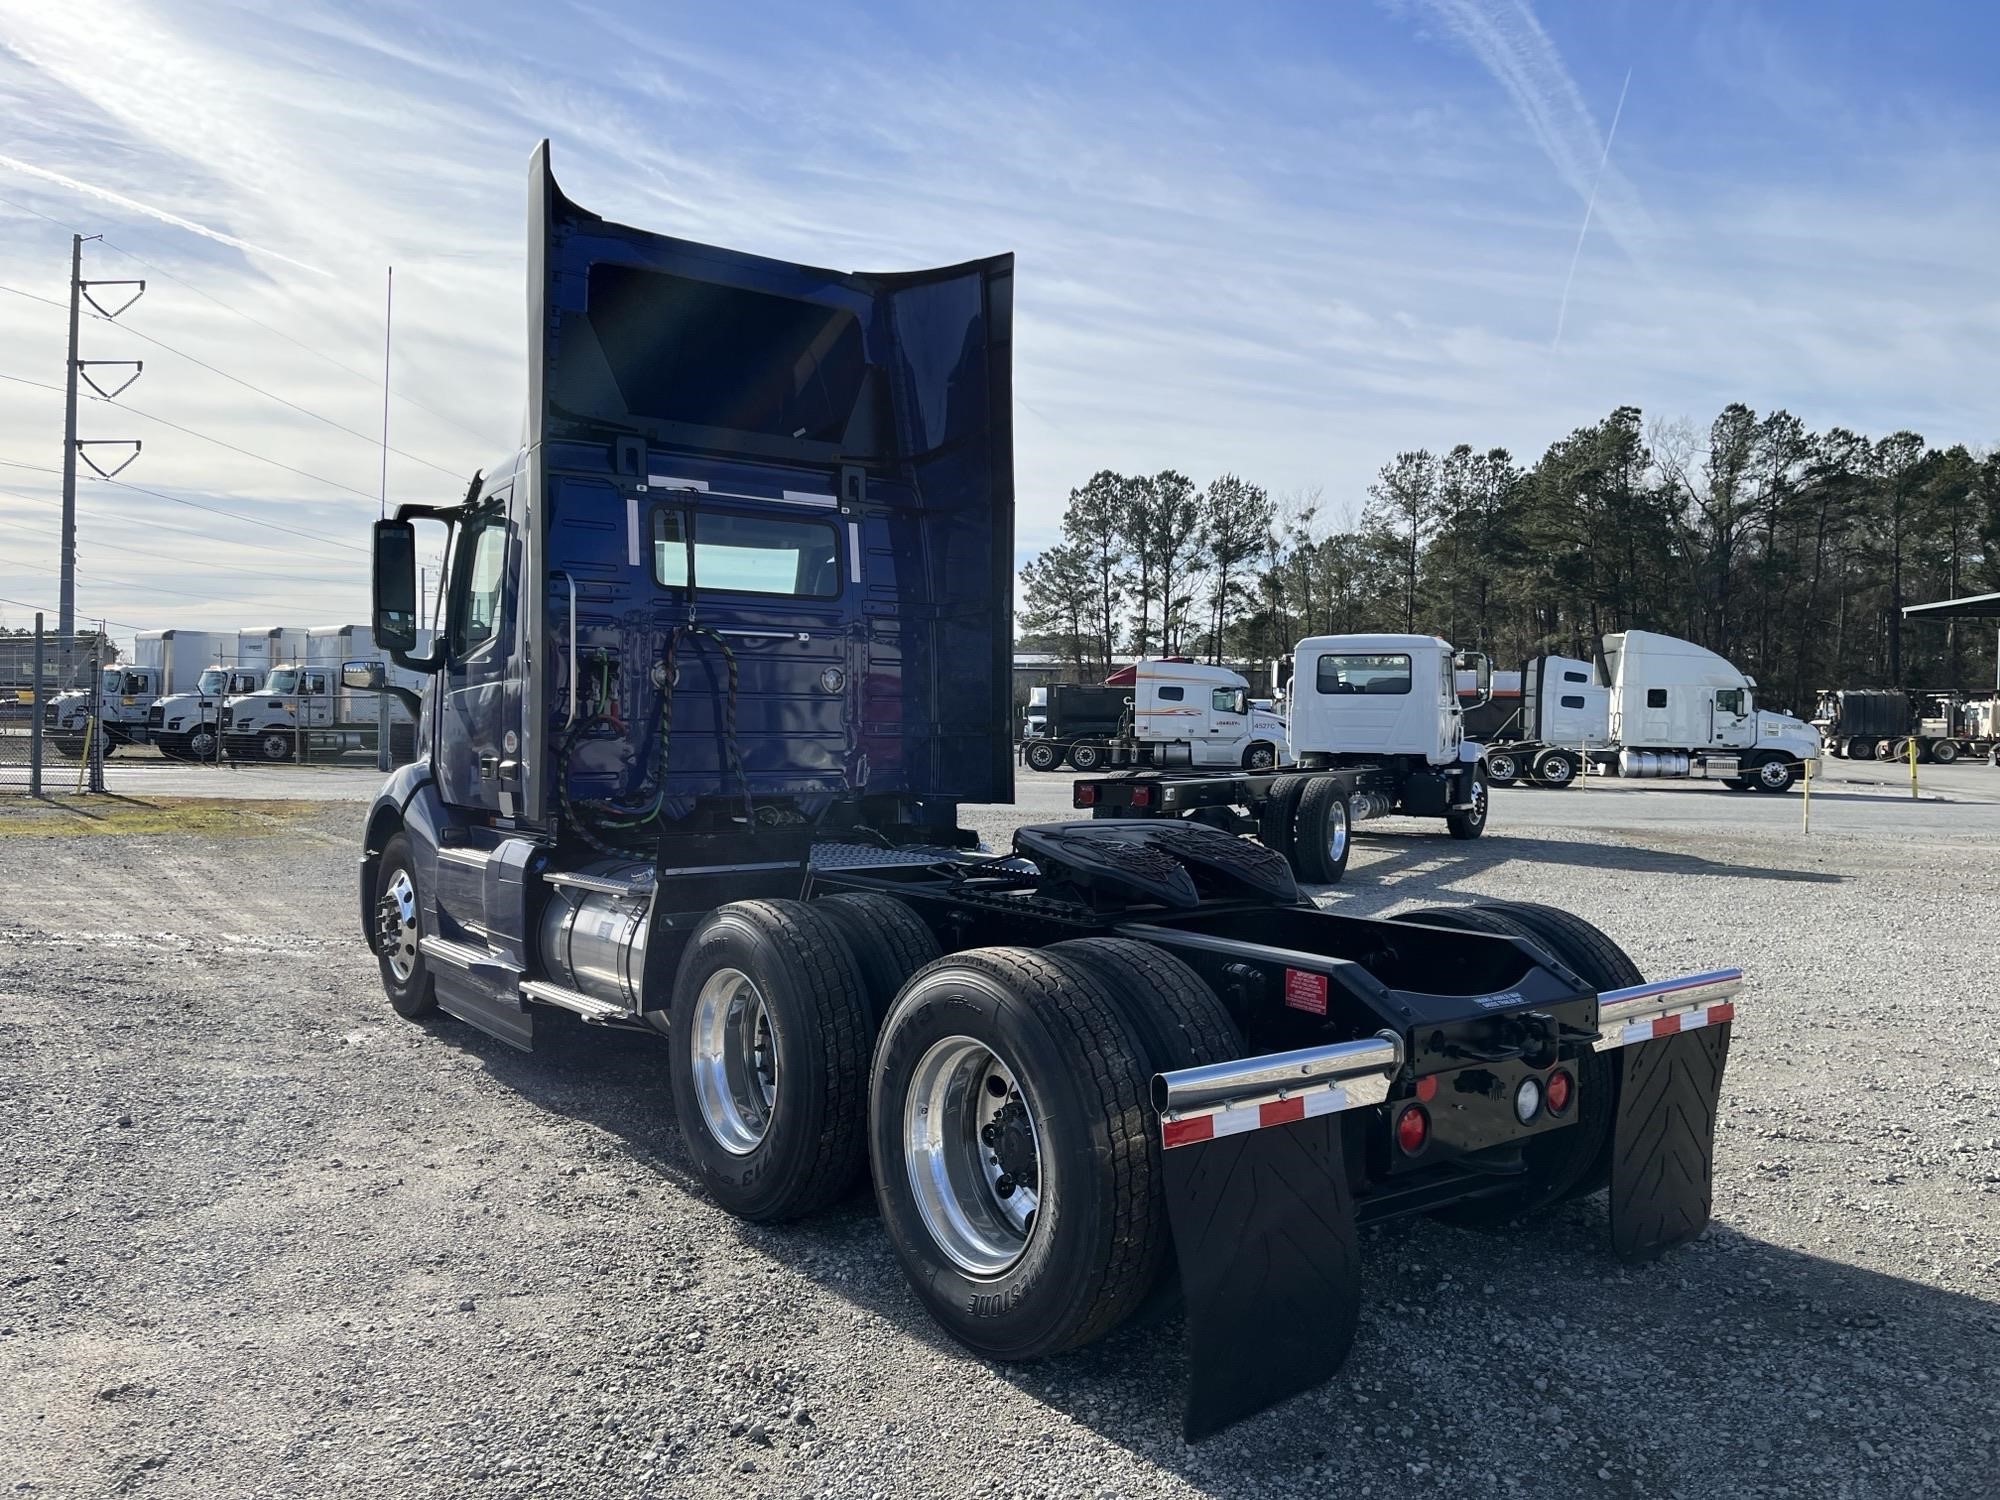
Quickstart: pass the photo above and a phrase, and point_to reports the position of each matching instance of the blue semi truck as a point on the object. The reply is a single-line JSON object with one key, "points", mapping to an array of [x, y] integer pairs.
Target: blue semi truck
{"points": [[726, 646]]}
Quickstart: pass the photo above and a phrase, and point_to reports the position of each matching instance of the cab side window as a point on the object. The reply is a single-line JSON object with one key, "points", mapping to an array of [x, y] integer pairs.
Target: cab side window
{"points": [[1223, 700], [1656, 697], [1172, 694], [313, 684], [484, 560]]}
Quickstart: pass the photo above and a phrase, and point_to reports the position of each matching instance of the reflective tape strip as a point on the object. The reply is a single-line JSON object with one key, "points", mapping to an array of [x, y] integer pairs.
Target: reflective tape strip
{"points": [[1238, 1119], [1655, 1027]]}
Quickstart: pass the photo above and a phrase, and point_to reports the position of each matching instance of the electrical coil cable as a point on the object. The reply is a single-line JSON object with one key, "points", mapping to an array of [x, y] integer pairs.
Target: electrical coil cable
{"points": [[611, 816]]}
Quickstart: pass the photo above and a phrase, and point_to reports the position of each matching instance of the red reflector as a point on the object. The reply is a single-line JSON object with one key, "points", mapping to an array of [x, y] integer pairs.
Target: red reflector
{"points": [[1086, 794], [1556, 1091], [1187, 1132], [1142, 796], [1666, 1025], [1280, 1112], [1725, 1011], [1413, 1128], [1427, 1088]]}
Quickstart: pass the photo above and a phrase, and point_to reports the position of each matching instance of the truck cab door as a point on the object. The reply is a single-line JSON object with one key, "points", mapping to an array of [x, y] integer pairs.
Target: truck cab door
{"points": [[1732, 722], [1450, 715], [1227, 731], [479, 690]]}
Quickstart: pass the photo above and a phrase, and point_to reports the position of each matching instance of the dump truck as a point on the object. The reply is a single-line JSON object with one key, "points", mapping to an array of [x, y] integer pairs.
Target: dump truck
{"points": [[726, 647]]}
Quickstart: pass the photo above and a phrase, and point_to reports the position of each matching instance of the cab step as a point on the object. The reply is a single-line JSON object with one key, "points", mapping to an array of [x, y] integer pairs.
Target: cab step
{"points": [[601, 1012]]}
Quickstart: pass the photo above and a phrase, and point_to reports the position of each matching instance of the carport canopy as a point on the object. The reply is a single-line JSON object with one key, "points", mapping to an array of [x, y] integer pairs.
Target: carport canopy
{"points": [[1972, 607]]}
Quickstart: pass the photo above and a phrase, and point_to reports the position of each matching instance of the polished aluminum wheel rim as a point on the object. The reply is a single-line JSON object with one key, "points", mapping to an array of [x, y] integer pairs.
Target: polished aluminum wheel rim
{"points": [[1557, 771], [1775, 773], [1501, 767], [1336, 832], [974, 1155], [735, 1061], [396, 915]]}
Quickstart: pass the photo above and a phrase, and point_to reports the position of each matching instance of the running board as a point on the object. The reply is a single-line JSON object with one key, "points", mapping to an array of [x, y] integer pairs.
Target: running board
{"points": [[481, 964], [588, 1006]]}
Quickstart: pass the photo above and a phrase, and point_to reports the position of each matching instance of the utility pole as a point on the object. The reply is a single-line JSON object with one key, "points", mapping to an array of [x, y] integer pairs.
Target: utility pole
{"points": [[66, 597]]}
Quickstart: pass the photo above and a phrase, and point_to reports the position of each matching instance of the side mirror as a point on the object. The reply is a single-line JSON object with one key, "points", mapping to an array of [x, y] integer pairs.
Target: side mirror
{"points": [[396, 586], [1481, 667], [1242, 701], [362, 676]]}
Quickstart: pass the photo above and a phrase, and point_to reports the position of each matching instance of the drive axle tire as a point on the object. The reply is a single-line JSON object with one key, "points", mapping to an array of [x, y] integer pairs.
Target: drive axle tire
{"points": [[768, 1038], [1322, 832], [1173, 1012], [1944, 752], [1502, 768], [1469, 825], [1860, 749], [406, 976], [1016, 1156], [1555, 768], [1085, 757], [889, 941], [1275, 817], [1042, 756]]}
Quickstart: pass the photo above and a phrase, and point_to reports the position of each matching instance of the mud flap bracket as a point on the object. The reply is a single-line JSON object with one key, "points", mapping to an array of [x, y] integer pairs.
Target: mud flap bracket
{"points": [[1263, 1227]]}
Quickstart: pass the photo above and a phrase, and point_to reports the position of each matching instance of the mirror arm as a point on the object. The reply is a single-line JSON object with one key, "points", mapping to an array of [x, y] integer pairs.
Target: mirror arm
{"points": [[409, 699]]}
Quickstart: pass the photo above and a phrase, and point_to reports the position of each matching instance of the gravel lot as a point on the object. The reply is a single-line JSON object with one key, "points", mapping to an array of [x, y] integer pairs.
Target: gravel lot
{"points": [[263, 1238]]}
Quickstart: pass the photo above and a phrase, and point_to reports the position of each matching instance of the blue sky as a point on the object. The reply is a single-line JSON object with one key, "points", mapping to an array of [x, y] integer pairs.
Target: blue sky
{"points": [[1284, 240]]}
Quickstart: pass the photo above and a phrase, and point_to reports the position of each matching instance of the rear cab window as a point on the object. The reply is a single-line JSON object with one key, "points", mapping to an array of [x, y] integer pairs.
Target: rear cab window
{"points": [[1353, 672], [746, 554]]}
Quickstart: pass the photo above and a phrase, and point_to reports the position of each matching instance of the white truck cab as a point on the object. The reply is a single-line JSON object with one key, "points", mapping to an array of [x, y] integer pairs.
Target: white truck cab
{"points": [[1376, 696], [1208, 708]]}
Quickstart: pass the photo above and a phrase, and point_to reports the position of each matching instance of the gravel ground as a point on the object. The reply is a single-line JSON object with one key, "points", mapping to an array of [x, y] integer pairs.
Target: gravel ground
{"points": [[264, 1238]]}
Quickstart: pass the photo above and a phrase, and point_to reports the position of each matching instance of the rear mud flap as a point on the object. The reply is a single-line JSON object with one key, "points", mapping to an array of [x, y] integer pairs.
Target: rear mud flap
{"points": [[1264, 1231], [1663, 1141]]}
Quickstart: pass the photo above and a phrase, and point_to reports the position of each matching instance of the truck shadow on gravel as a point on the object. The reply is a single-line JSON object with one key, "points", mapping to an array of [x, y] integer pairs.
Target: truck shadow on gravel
{"points": [[1526, 1361], [1390, 860]]}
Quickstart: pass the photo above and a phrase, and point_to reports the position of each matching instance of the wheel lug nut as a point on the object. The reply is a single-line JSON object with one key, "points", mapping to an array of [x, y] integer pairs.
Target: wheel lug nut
{"points": [[989, 1134], [1004, 1187]]}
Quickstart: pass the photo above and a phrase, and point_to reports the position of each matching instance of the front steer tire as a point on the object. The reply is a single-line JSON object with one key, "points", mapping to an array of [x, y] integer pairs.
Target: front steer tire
{"points": [[1097, 1239], [772, 1111], [1472, 823], [406, 975]]}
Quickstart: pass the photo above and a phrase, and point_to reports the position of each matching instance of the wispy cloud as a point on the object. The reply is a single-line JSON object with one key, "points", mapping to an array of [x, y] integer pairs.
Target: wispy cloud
{"points": [[106, 195], [1569, 277]]}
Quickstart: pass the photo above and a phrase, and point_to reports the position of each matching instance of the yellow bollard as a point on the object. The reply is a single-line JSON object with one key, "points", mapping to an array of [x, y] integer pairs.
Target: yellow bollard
{"points": [[83, 766], [1805, 809], [1911, 742]]}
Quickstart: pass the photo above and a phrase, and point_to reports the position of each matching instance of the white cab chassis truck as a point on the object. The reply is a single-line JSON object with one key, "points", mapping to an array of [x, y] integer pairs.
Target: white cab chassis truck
{"points": [[308, 707], [163, 661], [1170, 713], [1376, 728], [186, 724], [1658, 706]]}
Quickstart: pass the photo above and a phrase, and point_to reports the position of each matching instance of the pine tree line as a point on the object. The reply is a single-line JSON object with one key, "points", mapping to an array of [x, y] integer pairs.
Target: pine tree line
{"points": [[1790, 552]]}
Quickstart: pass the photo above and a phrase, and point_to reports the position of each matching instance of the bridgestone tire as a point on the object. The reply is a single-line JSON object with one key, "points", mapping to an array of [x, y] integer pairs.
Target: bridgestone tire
{"points": [[1502, 768], [1175, 1015], [1323, 832], [1554, 768], [1275, 817], [812, 1146], [889, 941], [1944, 752], [1469, 825], [1085, 757], [1564, 1163], [1042, 756], [415, 996], [1099, 1235]]}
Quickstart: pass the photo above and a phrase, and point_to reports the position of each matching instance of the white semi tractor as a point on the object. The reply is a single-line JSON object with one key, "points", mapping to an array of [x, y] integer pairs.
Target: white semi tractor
{"points": [[187, 725], [1156, 712], [305, 707], [1656, 706]]}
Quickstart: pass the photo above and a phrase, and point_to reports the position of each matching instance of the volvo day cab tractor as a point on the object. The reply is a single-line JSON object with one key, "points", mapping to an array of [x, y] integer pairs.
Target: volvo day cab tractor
{"points": [[1655, 706], [727, 645], [1157, 712], [1374, 728]]}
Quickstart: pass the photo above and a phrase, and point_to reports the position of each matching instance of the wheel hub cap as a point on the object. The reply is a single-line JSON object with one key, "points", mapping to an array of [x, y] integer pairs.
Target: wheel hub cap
{"points": [[735, 1061], [396, 926], [973, 1154]]}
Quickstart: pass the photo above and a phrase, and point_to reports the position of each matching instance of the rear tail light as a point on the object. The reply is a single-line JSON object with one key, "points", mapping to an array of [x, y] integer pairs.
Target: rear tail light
{"points": [[1558, 1091], [1086, 794], [1413, 1129], [1142, 796], [1528, 1100]]}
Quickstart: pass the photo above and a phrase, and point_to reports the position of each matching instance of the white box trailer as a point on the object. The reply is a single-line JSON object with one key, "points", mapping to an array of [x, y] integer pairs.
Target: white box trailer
{"points": [[303, 709], [1655, 706]]}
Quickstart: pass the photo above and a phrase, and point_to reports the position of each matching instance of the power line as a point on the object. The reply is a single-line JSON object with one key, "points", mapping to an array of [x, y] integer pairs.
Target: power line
{"points": [[36, 297], [44, 609], [23, 380], [233, 448], [125, 484], [152, 523], [146, 588], [200, 564]]}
